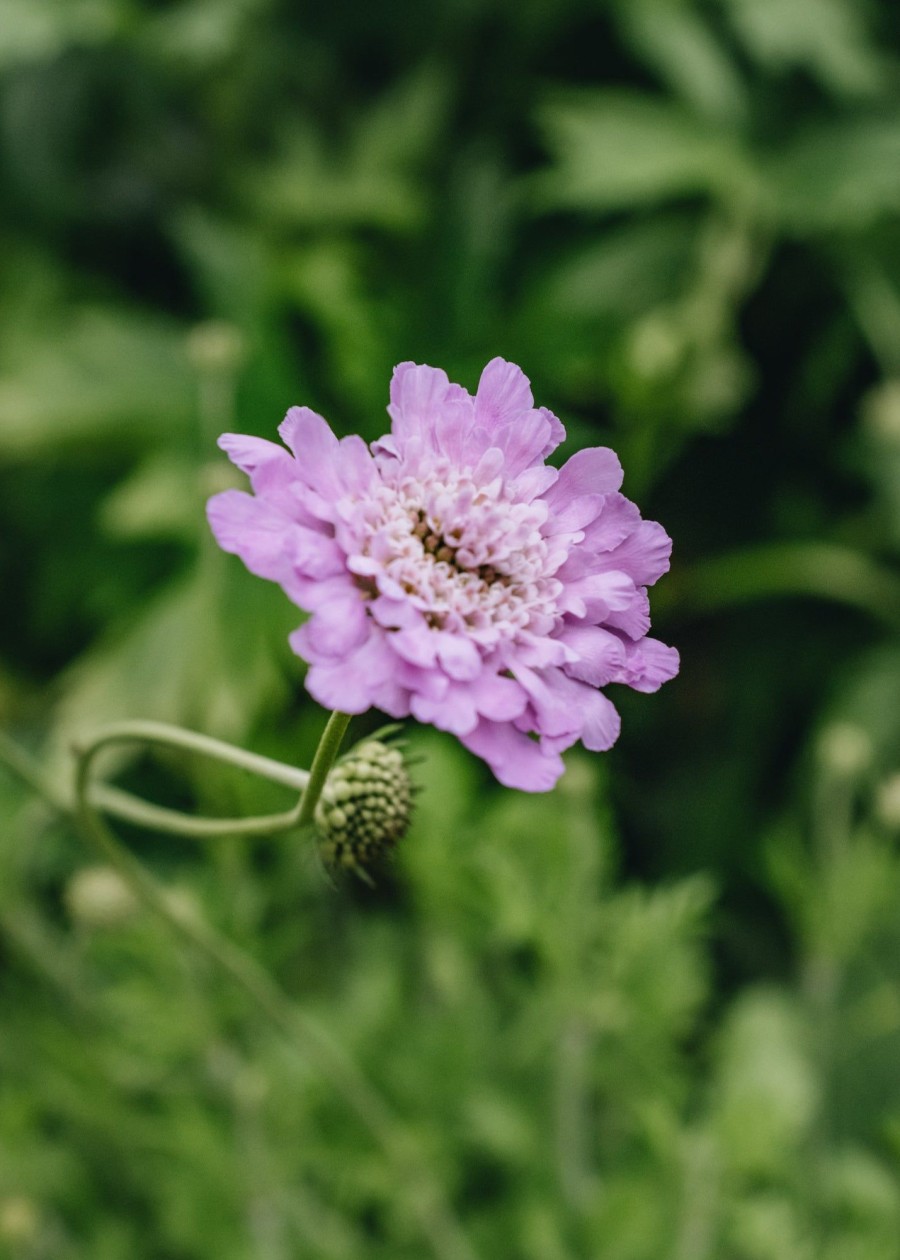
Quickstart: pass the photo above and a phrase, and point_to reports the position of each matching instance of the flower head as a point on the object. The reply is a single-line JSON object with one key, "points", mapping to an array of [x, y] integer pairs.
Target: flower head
{"points": [[451, 574]]}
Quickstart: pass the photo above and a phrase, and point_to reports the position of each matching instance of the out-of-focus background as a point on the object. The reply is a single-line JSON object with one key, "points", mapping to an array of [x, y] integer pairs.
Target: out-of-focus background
{"points": [[654, 1016]]}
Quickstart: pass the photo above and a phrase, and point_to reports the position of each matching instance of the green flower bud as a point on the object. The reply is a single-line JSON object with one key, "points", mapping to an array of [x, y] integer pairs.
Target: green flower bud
{"points": [[365, 807]]}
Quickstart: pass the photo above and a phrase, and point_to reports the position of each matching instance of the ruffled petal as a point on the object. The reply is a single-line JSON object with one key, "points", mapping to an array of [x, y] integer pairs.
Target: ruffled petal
{"points": [[550, 699], [557, 432], [454, 712], [249, 528], [601, 721], [357, 682], [458, 656], [618, 518], [575, 515], [316, 449], [633, 620], [595, 470], [516, 760], [647, 665], [522, 441], [499, 698], [644, 554], [417, 395], [504, 392], [250, 453], [336, 629], [596, 594], [271, 545], [600, 654]]}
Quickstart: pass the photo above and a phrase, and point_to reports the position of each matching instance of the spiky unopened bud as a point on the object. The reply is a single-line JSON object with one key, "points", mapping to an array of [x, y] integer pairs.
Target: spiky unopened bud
{"points": [[365, 807]]}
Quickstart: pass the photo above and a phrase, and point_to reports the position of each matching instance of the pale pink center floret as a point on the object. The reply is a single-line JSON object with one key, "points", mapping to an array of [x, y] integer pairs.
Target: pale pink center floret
{"points": [[466, 556]]}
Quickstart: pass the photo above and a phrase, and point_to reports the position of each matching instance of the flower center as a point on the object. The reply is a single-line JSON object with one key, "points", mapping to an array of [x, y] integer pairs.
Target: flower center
{"points": [[468, 557]]}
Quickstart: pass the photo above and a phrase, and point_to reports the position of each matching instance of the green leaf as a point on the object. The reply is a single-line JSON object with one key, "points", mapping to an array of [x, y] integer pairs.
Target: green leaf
{"points": [[101, 374], [614, 150], [843, 175], [830, 38]]}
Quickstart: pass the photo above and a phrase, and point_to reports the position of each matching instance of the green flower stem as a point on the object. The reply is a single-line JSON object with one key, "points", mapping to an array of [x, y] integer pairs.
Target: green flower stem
{"points": [[129, 808], [132, 809], [326, 755], [176, 737], [157, 818]]}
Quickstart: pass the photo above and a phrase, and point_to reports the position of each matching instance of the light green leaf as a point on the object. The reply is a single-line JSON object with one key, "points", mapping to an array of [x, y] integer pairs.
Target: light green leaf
{"points": [[843, 175], [102, 373], [617, 150], [830, 38]]}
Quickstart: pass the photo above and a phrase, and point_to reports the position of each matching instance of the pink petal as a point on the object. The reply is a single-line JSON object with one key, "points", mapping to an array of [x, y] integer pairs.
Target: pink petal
{"points": [[557, 432], [459, 656], [533, 482], [550, 699], [355, 464], [417, 393], [453, 427], [337, 628], [618, 518], [271, 545], [418, 645], [522, 441], [498, 698], [575, 515], [516, 760], [598, 593], [600, 654], [315, 448], [593, 471], [249, 453], [454, 712], [648, 665], [504, 392], [357, 682], [644, 555], [601, 720], [633, 620]]}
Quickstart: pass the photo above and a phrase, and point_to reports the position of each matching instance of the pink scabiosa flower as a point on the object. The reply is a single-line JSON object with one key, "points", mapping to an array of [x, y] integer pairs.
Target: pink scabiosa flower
{"points": [[453, 575]]}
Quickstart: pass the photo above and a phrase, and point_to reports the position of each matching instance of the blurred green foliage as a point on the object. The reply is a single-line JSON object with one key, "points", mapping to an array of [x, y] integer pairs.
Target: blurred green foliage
{"points": [[656, 1015]]}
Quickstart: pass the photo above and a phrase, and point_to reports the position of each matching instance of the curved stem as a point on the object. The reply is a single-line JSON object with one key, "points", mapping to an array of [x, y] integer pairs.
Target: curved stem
{"points": [[156, 817], [162, 733], [129, 808], [324, 759]]}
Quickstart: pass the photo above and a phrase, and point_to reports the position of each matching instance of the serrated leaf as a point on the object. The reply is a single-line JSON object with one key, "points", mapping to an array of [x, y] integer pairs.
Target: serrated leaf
{"points": [[829, 38], [845, 175], [618, 150], [103, 373]]}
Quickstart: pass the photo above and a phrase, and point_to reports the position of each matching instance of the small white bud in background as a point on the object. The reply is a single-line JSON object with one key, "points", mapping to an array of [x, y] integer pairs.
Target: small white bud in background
{"points": [[19, 1221], [98, 897], [845, 749]]}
